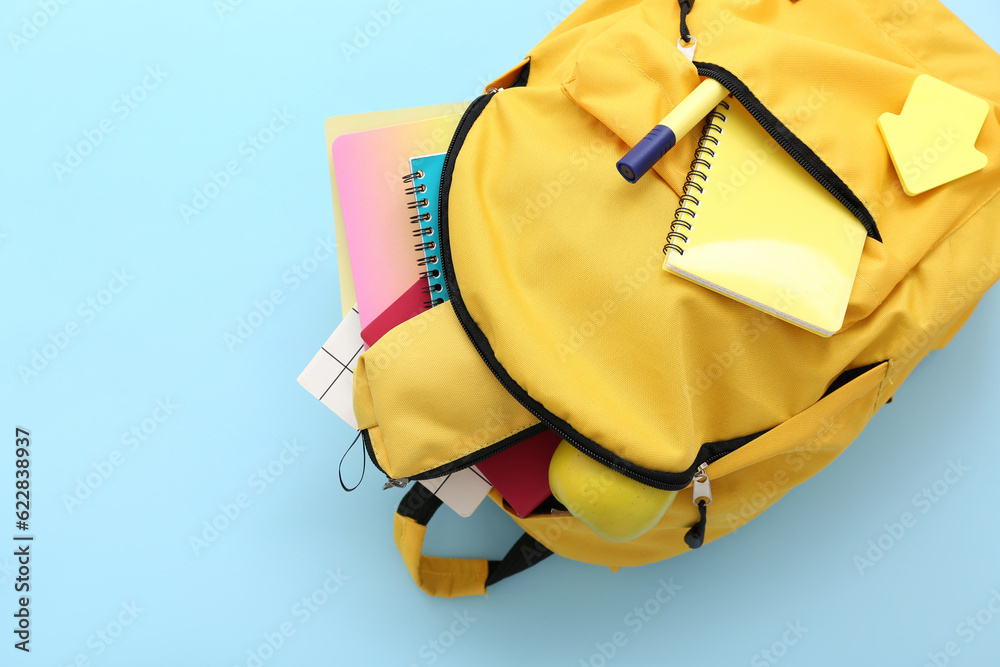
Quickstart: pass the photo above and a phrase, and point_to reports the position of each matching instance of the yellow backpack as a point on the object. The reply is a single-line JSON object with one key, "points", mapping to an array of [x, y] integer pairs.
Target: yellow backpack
{"points": [[561, 317]]}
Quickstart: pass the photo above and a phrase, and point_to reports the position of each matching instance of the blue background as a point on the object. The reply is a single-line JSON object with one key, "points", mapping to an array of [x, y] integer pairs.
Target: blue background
{"points": [[123, 552]]}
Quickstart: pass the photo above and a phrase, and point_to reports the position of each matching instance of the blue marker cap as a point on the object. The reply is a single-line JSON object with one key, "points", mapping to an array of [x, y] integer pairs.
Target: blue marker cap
{"points": [[646, 153], [681, 120]]}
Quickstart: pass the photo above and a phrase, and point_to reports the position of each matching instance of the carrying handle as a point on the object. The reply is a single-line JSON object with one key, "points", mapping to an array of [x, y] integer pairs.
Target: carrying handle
{"points": [[453, 577]]}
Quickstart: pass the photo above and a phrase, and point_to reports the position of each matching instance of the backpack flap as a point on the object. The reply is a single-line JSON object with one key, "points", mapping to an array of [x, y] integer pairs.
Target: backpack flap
{"points": [[428, 405]]}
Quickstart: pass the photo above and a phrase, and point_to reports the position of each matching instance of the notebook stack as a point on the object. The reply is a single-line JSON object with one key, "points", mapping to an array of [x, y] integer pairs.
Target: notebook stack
{"points": [[385, 171]]}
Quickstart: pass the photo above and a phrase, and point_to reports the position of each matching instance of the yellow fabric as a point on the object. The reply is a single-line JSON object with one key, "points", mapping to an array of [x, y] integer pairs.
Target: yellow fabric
{"points": [[508, 77], [442, 577], [744, 483], [645, 364], [558, 260], [426, 397]]}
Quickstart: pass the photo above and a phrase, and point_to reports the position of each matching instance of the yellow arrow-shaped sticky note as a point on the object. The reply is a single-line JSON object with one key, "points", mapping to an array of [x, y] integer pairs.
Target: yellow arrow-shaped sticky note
{"points": [[933, 140]]}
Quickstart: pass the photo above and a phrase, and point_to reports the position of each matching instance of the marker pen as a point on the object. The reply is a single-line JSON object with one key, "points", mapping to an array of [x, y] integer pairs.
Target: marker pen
{"points": [[691, 110]]}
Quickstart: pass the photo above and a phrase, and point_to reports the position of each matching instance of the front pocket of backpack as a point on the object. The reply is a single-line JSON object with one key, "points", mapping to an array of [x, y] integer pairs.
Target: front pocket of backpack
{"points": [[428, 405], [629, 76], [744, 482], [750, 479]]}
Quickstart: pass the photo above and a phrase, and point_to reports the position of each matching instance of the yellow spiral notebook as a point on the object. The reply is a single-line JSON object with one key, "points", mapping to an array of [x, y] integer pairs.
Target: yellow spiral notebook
{"points": [[753, 225]]}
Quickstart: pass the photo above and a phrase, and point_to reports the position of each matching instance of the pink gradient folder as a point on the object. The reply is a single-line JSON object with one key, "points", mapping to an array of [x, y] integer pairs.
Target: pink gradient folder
{"points": [[359, 122], [370, 167]]}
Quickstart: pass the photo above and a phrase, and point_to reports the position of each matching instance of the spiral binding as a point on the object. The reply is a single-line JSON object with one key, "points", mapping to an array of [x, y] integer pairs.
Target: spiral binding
{"points": [[420, 231], [699, 168]]}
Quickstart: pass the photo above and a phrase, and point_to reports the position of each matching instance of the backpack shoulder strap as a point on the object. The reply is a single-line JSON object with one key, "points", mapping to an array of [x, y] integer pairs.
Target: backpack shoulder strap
{"points": [[453, 577]]}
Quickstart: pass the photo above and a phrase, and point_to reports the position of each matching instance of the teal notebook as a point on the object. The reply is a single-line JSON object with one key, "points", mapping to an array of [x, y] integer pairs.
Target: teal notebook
{"points": [[426, 189]]}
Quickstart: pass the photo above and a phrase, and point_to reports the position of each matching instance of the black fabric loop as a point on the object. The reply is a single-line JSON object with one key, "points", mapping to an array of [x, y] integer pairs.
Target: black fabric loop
{"points": [[340, 468], [526, 552], [419, 504], [686, 6]]}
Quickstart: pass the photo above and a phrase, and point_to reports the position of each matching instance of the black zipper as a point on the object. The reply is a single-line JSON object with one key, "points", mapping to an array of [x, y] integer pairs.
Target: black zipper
{"points": [[656, 479], [476, 107], [792, 145], [708, 452], [464, 125], [468, 461], [673, 481], [367, 440]]}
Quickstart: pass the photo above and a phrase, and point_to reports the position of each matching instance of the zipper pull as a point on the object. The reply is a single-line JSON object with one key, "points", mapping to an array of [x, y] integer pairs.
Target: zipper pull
{"points": [[396, 483], [701, 495], [702, 486]]}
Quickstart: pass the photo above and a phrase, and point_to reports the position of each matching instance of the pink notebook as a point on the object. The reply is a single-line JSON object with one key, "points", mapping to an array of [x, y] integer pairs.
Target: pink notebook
{"points": [[370, 167]]}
